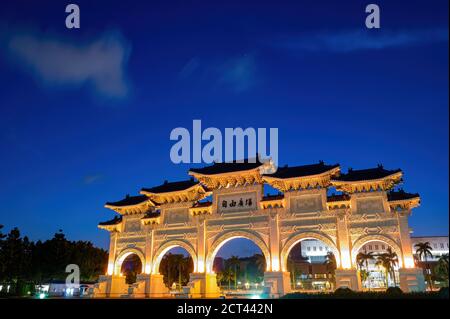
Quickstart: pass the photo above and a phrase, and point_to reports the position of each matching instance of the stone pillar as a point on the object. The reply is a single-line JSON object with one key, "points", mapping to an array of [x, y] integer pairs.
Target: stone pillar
{"points": [[148, 249], [115, 286], [112, 252], [276, 284], [157, 288], [274, 241], [411, 279], [348, 278], [343, 241], [405, 239], [201, 244], [203, 285]]}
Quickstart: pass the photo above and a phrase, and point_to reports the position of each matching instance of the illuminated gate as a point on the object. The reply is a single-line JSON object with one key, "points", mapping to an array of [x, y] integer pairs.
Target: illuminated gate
{"points": [[177, 214]]}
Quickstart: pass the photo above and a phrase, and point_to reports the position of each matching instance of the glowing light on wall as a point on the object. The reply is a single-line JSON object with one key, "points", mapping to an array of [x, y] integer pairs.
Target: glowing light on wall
{"points": [[110, 269], [148, 268], [201, 266], [409, 262], [346, 262], [275, 263]]}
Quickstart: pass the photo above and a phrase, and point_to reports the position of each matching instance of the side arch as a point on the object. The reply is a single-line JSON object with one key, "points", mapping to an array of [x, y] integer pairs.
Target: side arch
{"points": [[124, 254], [226, 236], [299, 236], [361, 241], [168, 245]]}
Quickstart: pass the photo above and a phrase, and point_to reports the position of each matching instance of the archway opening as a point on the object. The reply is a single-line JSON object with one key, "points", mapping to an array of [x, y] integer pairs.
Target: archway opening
{"points": [[176, 265], [312, 265], [239, 265], [131, 267], [378, 264]]}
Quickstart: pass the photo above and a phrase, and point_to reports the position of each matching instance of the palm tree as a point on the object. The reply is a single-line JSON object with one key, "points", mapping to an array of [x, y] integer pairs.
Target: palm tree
{"points": [[423, 250], [444, 260], [234, 261], [389, 260], [228, 275], [364, 274], [362, 259], [220, 277], [260, 262], [442, 269], [330, 262], [183, 264], [292, 267]]}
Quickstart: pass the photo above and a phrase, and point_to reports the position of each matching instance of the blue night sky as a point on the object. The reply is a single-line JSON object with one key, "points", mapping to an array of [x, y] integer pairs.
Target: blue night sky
{"points": [[85, 115]]}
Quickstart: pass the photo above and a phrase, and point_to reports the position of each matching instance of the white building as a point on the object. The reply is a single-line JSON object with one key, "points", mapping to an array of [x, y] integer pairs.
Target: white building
{"points": [[316, 250]]}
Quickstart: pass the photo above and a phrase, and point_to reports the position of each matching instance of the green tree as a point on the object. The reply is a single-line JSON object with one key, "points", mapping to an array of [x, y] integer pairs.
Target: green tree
{"points": [[388, 260], [442, 269], [220, 277], [228, 276], [330, 262], [292, 267], [423, 250], [234, 262], [362, 259], [260, 263], [26, 263], [364, 274]]}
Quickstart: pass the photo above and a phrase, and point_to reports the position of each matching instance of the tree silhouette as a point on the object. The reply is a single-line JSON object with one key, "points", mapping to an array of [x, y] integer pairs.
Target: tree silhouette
{"points": [[26, 263], [234, 262], [423, 250], [388, 260]]}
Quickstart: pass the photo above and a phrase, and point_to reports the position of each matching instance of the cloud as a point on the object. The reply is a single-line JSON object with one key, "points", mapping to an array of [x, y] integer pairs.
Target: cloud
{"points": [[100, 63], [238, 73], [355, 40], [189, 68], [90, 179]]}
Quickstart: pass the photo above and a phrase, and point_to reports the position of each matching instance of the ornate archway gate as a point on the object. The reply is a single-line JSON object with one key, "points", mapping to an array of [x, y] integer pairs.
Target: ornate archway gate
{"points": [[174, 215]]}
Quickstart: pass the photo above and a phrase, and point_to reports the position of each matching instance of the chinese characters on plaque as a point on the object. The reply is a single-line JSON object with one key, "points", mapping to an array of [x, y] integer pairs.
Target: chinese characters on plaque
{"points": [[235, 203]]}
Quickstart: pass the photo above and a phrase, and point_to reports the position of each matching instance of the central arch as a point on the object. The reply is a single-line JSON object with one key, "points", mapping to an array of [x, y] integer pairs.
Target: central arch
{"points": [[225, 237], [361, 241], [168, 245], [299, 236], [124, 254]]}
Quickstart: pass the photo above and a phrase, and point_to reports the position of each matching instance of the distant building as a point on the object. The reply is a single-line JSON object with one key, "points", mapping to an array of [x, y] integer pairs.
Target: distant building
{"points": [[310, 257], [439, 245], [58, 288]]}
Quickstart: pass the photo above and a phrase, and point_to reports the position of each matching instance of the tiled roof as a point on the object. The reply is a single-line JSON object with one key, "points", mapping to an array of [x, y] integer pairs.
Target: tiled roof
{"points": [[202, 204], [116, 220], [301, 171], [272, 197], [227, 167], [152, 214], [171, 186], [338, 198], [400, 195], [129, 200], [366, 174]]}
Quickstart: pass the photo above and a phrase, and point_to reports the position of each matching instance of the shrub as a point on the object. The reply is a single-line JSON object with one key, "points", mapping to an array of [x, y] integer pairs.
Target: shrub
{"points": [[394, 291], [443, 292], [343, 291]]}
